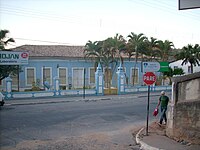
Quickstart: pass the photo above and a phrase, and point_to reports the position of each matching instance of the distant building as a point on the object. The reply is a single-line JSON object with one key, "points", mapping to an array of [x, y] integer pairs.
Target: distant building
{"points": [[186, 68], [67, 63]]}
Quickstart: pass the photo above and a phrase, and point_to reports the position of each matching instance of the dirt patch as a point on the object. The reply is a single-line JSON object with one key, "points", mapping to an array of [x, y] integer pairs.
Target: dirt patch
{"points": [[94, 141], [157, 129]]}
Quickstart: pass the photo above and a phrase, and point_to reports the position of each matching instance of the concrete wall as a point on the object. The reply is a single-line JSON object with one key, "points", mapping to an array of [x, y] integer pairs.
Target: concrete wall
{"points": [[184, 111]]}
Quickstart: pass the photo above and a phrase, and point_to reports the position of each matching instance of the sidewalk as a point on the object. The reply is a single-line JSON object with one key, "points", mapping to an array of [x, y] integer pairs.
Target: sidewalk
{"points": [[63, 99], [157, 140], [46, 100]]}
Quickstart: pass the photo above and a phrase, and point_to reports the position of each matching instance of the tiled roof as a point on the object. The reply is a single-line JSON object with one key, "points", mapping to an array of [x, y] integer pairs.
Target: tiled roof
{"points": [[52, 50], [55, 51]]}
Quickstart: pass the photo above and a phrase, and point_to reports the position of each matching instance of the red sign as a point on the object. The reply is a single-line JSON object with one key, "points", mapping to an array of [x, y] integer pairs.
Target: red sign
{"points": [[149, 78], [24, 55]]}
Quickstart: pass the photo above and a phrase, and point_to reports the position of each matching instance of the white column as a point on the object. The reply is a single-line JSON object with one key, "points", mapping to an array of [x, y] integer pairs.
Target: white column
{"points": [[8, 87]]}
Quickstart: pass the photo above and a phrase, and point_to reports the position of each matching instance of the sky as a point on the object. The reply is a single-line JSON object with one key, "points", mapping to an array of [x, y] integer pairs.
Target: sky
{"points": [[75, 22]]}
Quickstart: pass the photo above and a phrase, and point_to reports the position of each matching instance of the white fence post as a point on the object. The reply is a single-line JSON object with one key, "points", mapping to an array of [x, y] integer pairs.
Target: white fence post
{"points": [[8, 87]]}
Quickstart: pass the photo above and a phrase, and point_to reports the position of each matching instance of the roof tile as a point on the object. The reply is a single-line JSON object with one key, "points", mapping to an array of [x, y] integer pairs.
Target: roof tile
{"points": [[52, 50]]}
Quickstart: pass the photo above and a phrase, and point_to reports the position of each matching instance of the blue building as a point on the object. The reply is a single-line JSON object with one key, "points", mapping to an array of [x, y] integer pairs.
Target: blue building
{"points": [[67, 63]]}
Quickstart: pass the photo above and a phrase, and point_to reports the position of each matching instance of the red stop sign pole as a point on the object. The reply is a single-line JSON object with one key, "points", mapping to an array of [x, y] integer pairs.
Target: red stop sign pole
{"points": [[149, 78]]}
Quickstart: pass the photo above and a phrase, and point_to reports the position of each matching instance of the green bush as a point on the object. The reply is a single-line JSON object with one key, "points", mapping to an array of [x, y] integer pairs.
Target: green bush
{"points": [[35, 88]]}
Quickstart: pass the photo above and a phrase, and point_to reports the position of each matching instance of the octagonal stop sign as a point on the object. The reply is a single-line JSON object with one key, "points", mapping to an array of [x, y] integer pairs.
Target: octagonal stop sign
{"points": [[149, 78]]}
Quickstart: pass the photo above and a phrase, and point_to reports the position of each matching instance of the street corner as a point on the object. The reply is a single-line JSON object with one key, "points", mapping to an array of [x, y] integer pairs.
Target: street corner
{"points": [[139, 140], [153, 129], [156, 128]]}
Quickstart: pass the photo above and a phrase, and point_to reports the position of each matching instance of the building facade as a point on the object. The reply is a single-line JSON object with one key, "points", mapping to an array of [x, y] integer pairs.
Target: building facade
{"points": [[68, 64], [186, 67]]}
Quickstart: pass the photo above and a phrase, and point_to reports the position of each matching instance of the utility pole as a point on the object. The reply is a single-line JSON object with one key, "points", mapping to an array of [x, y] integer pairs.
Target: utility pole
{"points": [[84, 84]]}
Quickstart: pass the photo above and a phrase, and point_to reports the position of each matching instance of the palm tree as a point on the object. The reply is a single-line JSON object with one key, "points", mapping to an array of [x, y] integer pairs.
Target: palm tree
{"points": [[152, 47], [190, 54], [112, 48], [197, 51], [119, 44], [94, 51], [165, 49], [136, 42], [129, 50], [6, 70], [107, 52], [4, 41]]}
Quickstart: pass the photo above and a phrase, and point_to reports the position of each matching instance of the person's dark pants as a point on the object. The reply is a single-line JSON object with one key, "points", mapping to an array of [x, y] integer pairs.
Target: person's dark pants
{"points": [[163, 115]]}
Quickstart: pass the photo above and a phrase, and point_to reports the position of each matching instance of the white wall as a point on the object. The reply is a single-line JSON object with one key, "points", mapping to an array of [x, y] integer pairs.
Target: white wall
{"points": [[184, 67]]}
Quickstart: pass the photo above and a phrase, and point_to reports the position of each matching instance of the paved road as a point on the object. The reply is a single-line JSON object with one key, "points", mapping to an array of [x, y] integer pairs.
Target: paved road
{"points": [[74, 122]]}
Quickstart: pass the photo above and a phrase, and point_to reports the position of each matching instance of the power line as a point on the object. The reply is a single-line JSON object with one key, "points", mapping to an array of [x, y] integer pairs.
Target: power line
{"points": [[34, 11], [16, 13], [24, 39], [47, 16], [34, 14], [51, 16]]}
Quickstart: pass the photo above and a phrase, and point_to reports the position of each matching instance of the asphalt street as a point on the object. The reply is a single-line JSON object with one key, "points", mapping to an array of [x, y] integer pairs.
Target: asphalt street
{"points": [[51, 121]]}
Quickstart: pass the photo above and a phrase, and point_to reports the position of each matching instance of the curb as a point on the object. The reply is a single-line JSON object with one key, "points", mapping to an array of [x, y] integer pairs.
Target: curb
{"points": [[50, 102], [144, 146], [65, 101]]}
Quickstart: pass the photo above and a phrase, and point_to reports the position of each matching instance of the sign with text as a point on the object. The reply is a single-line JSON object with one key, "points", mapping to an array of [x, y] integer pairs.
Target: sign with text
{"points": [[149, 78], [151, 66], [164, 67], [13, 58]]}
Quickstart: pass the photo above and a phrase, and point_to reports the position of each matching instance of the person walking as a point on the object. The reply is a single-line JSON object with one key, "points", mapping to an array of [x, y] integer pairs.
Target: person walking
{"points": [[163, 101]]}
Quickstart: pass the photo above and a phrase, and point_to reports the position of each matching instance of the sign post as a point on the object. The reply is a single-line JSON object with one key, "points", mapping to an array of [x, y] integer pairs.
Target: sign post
{"points": [[149, 78], [147, 126], [84, 85]]}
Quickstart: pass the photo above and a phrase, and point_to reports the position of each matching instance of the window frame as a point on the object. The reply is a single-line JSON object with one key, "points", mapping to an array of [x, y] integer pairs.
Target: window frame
{"points": [[26, 75], [81, 68], [90, 76], [66, 77], [131, 74], [42, 73]]}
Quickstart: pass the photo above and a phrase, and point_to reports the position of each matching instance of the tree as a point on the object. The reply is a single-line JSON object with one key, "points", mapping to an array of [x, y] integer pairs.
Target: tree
{"points": [[119, 44], [189, 54], [4, 41], [112, 47], [94, 51], [165, 49], [107, 52], [152, 48], [100, 51], [175, 71], [6, 70], [136, 43], [178, 71]]}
